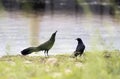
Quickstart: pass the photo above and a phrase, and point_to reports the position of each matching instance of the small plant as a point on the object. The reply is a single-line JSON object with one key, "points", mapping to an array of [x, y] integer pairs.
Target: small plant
{"points": [[94, 66], [7, 48]]}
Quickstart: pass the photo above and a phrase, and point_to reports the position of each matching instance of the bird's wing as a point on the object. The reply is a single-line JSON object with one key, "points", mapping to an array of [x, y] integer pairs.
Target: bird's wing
{"points": [[80, 47], [46, 46]]}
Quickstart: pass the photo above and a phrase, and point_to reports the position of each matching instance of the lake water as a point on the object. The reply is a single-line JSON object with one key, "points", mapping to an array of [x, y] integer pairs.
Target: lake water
{"points": [[97, 32]]}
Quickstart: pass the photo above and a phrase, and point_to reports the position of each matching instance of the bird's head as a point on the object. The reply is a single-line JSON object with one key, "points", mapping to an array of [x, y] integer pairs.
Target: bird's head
{"points": [[53, 36], [78, 39], [55, 33]]}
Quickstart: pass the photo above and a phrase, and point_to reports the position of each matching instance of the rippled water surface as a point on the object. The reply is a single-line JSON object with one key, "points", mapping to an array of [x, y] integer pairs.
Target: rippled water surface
{"points": [[97, 32]]}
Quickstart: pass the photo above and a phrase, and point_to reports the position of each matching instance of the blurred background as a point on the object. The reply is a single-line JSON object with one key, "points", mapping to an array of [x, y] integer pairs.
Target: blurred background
{"points": [[25, 23]]}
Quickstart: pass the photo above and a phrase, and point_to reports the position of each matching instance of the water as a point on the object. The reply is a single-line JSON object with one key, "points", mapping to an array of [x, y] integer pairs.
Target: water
{"points": [[97, 32]]}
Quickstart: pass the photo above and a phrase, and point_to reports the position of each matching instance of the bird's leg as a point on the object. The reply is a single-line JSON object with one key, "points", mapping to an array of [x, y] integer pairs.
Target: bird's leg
{"points": [[44, 53], [80, 55], [47, 53], [76, 58]]}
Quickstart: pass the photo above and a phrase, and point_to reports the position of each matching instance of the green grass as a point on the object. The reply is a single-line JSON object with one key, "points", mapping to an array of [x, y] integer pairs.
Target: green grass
{"points": [[93, 65]]}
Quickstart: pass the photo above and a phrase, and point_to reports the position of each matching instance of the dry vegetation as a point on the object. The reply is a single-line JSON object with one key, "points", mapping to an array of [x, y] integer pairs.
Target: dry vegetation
{"points": [[93, 65]]}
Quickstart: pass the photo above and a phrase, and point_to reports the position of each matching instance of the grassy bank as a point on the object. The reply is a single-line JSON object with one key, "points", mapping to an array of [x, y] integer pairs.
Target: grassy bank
{"points": [[93, 65]]}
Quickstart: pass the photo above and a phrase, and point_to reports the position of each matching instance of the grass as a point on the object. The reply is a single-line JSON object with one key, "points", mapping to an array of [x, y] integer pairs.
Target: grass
{"points": [[93, 65]]}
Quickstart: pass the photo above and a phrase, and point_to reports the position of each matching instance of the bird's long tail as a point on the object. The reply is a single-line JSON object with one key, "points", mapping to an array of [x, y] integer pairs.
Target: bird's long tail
{"points": [[28, 50]]}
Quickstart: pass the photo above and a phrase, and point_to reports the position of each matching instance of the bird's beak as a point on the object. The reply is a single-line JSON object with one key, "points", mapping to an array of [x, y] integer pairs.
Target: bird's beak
{"points": [[56, 32]]}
